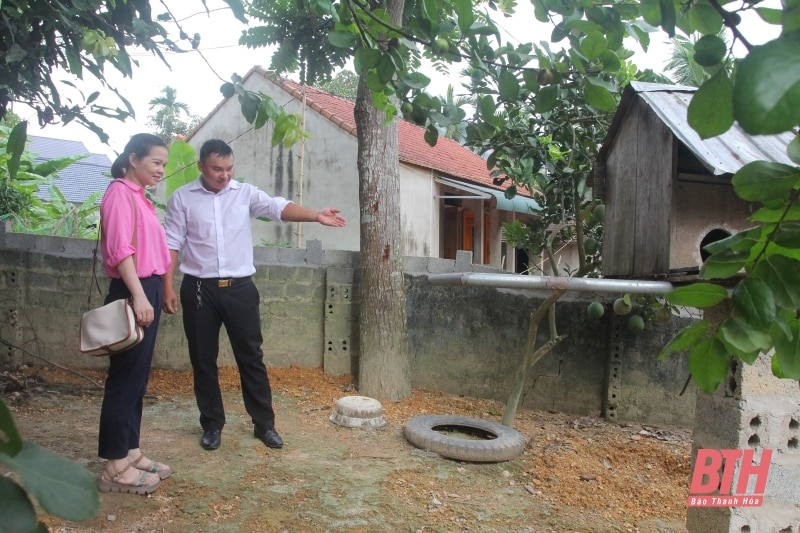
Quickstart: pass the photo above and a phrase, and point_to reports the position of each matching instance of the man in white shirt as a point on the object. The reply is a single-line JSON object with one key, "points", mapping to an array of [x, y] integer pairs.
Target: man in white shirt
{"points": [[209, 221]]}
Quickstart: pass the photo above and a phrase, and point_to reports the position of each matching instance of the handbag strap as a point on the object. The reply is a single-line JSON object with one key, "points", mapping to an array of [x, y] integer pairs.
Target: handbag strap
{"points": [[134, 240]]}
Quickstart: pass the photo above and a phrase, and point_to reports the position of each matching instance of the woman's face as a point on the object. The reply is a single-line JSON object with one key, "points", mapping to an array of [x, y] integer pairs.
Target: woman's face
{"points": [[149, 170]]}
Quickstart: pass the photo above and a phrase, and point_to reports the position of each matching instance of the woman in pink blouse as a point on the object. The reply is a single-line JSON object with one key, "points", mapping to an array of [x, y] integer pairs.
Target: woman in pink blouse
{"points": [[135, 256]]}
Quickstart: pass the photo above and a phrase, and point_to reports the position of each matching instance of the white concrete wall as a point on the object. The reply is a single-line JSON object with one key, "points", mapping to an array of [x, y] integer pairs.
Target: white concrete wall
{"points": [[420, 212], [328, 173], [326, 166]]}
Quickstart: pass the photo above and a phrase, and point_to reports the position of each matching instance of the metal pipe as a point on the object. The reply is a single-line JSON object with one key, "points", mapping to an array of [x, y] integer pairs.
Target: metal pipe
{"points": [[522, 281]]}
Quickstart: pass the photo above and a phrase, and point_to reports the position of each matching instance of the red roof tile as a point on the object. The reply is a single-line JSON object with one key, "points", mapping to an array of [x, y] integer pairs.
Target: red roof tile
{"points": [[447, 158]]}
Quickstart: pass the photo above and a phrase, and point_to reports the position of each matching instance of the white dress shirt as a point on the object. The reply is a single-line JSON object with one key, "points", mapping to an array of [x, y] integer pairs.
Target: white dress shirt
{"points": [[213, 230]]}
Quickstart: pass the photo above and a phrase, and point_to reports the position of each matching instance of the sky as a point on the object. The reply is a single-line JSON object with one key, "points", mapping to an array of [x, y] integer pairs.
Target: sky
{"points": [[197, 78]]}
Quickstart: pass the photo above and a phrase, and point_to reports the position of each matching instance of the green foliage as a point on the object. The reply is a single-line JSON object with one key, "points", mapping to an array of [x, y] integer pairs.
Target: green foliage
{"points": [[181, 166], [58, 216], [170, 116], [21, 177], [763, 304], [344, 85], [41, 41], [258, 109], [60, 486], [301, 33], [540, 114], [766, 96]]}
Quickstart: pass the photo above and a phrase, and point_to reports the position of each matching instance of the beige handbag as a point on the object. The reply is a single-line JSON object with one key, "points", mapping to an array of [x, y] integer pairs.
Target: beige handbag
{"points": [[111, 328]]}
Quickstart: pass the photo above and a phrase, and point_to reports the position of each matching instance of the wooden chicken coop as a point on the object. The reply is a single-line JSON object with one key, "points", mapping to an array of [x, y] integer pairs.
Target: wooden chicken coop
{"points": [[668, 192]]}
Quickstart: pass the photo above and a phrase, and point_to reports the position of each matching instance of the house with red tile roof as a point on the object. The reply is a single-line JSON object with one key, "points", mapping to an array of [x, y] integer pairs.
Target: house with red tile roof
{"points": [[448, 200]]}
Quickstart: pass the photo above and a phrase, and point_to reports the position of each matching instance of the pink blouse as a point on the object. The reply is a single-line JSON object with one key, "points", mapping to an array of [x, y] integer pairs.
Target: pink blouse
{"points": [[117, 217]]}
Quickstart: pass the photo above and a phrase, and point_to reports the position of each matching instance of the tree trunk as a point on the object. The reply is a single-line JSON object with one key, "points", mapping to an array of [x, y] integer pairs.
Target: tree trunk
{"points": [[384, 362]]}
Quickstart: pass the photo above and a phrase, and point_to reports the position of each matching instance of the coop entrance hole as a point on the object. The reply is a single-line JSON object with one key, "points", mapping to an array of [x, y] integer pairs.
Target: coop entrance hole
{"points": [[712, 236]]}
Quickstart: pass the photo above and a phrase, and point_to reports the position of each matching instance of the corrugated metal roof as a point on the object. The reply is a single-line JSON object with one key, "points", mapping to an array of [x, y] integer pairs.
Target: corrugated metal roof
{"points": [[723, 154], [79, 180], [518, 204]]}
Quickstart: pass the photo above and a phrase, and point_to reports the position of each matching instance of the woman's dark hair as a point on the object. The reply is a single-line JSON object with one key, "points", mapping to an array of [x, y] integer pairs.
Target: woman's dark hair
{"points": [[140, 146]]}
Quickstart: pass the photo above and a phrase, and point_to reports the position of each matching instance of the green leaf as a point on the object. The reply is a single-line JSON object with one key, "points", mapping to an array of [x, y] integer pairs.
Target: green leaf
{"points": [[793, 150], [15, 146], [790, 16], [599, 97], [766, 97], [704, 18], [10, 441], [16, 508], [593, 45], [740, 338], [709, 363], [366, 58], [610, 61], [560, 31], [181, 166], [651, 12], [237, 8], [762, 181], [769, 15], [782, 275], [787, 353], [262, 115], [15, 54], [753, 299], [508, 85], [685, 339], [787, 235], [531, 80], [668, 16], [249, 103], [486, 106], [464, 14], [386, 69], [768, 215], [724, 264], [547, 99], [62, 487], [416, 80], [744, 240], [431, 135], [776, 368], [710, 110], [342, 39], [697, 295]]}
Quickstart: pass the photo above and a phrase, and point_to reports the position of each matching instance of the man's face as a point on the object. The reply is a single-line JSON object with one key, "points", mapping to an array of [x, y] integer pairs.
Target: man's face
{"points": [[217, 171]]}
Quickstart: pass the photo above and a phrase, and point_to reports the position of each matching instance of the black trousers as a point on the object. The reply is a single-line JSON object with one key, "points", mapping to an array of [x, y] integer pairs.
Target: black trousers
{"points": [[128, 373], [206, 307]]}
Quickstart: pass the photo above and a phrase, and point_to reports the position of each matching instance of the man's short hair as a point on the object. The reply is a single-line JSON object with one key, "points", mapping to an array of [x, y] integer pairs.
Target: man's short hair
{"points": [[215, 146]]}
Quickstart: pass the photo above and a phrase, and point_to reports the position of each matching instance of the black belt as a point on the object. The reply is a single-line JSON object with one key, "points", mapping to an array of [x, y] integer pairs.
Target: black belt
{"points": [[219, 282]]}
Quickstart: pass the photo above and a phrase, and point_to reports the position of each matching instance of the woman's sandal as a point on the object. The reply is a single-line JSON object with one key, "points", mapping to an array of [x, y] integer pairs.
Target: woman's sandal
{"points": [[161, 469], [114, 485]]}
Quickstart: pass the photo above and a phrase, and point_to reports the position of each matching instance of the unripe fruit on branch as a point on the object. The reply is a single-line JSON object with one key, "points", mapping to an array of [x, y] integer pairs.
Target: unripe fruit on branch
{"points": [[621, 307]]}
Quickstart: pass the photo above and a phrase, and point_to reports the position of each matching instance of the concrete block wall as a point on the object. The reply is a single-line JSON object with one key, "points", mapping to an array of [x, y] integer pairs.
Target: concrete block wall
{"points": [[462, 340], [753, 410]]}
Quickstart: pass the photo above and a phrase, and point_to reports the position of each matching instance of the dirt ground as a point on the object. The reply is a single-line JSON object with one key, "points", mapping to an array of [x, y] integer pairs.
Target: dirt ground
{"points": [[576, 474]]}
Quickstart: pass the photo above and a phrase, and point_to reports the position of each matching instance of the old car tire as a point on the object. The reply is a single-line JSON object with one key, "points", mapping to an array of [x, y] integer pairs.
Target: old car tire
{"points": [[506, 444]]}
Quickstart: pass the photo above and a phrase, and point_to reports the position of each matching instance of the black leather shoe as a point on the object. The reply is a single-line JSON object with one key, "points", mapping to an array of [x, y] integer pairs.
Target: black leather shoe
{"points": [[269, 437], [212, 439]]}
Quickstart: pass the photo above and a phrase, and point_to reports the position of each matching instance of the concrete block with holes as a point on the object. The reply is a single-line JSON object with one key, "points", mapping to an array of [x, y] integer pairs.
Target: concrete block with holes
{"points": [[338, 356], [752, 410]]}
